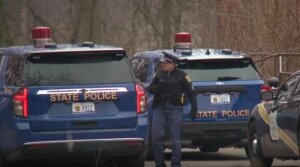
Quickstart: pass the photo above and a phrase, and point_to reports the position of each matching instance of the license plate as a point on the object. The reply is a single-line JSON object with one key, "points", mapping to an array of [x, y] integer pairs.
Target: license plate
{"points": [[83, 108], [220, 99]]}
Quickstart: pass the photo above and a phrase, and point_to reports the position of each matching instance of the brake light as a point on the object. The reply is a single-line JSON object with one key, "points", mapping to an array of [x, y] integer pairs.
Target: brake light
{"points": [[140, 98], [265, 88], [20, 101]]}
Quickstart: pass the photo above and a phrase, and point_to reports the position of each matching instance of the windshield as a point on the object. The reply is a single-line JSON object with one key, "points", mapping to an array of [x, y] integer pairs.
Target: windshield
{"points": [[77, 68], [220, 70]]}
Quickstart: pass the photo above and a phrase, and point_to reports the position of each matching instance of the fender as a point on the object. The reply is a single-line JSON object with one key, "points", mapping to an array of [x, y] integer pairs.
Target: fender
{"points": [[262, 111]]}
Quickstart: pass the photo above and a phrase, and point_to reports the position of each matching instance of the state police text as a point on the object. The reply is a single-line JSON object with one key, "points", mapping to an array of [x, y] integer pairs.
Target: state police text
{"points": [[99, 96], [224, 113]]}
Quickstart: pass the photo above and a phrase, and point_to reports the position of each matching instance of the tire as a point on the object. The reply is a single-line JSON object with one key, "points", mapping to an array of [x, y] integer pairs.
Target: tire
{"points": [[132, 161], [256, 156], [3, 162], [209, 149], [246, 150], [149, 153]]}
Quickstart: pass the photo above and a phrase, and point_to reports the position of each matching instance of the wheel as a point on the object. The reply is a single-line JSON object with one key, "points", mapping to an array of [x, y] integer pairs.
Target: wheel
{"points": [[210, 149], [256, 156], [132, 161]]}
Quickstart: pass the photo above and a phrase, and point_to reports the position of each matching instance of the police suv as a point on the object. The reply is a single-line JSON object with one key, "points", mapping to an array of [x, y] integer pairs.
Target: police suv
{"points": [[274, 125], [70, 100], [227, 87]]}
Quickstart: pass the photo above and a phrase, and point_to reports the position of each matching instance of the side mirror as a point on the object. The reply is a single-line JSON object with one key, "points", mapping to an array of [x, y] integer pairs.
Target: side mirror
{"points": [[273, 82]]}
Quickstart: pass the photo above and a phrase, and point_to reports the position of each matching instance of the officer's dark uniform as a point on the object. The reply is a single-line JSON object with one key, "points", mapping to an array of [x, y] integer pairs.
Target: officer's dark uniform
{"points": [[169, 89]]}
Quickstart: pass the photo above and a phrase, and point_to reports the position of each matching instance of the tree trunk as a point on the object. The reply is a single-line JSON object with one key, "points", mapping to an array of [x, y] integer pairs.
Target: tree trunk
{"points": [[166, 13]]}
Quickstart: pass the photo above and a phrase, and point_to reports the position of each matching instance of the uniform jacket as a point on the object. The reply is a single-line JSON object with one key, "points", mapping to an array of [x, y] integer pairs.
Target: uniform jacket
{"points": [[172, 85]]}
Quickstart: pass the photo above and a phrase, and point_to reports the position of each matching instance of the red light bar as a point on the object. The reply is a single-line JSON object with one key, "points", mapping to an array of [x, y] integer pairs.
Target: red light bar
{"points": [[41, 36], [183, 37], [41, 33], [183, 43]]}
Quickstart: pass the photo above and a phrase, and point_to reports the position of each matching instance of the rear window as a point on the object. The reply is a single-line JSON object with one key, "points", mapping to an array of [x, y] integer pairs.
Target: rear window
{"points": [[77, 68], [220, 70]]}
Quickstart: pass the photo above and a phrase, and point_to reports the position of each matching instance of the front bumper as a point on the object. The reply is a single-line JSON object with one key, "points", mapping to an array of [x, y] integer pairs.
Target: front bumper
{"points": [[221, 134]]}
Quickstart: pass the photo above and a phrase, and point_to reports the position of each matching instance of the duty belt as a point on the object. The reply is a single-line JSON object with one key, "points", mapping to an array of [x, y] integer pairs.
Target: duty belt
{"points": [[166, 101], [172, 101]]}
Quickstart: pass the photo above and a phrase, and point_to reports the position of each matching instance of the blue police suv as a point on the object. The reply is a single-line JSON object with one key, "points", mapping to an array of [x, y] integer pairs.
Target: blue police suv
{"points": [[227, 86], [70, 100]]}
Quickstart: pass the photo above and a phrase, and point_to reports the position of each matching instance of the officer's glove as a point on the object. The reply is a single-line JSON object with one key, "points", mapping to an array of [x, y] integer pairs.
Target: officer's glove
{"points": [[193, 114]]}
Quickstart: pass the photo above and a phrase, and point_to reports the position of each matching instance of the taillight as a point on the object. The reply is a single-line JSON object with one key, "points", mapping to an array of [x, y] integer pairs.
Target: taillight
{"points": [[140, 98], [266, 93], [20, 101], [265, 88]]}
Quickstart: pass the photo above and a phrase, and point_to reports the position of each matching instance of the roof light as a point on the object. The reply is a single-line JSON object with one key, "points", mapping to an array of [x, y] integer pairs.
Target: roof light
{"points": [[50, 45], [41, 36], [227, 51], [87, 44], [183, 43]]}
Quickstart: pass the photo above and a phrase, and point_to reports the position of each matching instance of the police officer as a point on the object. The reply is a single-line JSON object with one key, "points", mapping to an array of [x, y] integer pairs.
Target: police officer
{"points": [[169, 87]]}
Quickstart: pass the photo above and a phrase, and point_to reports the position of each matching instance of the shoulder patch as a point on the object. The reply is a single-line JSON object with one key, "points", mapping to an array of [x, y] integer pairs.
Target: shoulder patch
{"points": [[187, 77]]}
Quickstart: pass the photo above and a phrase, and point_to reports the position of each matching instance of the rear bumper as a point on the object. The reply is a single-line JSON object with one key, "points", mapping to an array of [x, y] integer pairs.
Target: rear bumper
{"points": [[88, 147], [221, 134], [22, 143]]}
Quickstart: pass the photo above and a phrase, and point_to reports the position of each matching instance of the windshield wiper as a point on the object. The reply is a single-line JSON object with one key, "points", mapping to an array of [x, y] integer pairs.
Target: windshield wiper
{"points": [[228, 78]]}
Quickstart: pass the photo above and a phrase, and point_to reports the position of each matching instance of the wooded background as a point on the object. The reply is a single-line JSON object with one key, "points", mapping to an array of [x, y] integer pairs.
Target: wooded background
{"points": [[251, 26]]}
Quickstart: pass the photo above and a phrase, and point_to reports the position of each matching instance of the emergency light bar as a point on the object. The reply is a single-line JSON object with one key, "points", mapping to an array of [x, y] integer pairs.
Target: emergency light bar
{"points": [[41, 36], [183, 43]]}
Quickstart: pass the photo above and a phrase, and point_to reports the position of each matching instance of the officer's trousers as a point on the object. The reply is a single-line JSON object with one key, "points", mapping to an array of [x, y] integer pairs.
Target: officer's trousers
{"points": [[168, 116]]}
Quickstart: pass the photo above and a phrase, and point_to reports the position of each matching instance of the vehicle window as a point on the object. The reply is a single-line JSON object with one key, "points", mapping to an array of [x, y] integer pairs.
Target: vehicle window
{"points": [[13, 71], [287, 88], [77, 68], [140, 67], [297, 90], [220, 70], [157, 67], [134, 63]]}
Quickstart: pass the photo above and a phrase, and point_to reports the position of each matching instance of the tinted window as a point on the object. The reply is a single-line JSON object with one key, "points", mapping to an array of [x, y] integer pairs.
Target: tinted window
{"points": [[77, 68], [297, 90], [220, 70], [140, 67], [13, 71], [287, 88]]}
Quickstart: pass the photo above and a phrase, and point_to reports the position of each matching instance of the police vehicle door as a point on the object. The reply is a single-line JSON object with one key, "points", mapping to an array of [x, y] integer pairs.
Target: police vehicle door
{"points": [[286, 116], [143, 70]]}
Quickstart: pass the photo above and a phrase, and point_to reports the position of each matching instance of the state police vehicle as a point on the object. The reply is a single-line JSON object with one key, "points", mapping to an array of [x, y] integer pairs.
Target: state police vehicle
{"points": [[70, 100], [227, 85], [274, 125]]}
